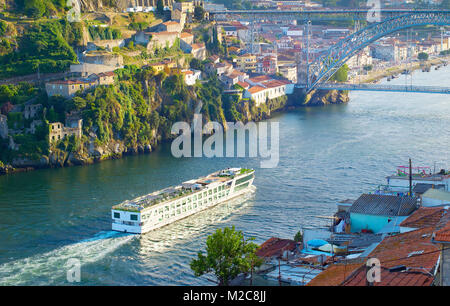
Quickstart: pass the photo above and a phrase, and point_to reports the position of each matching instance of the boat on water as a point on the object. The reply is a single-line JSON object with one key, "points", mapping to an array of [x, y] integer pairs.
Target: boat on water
{"points": [[168, 205]]}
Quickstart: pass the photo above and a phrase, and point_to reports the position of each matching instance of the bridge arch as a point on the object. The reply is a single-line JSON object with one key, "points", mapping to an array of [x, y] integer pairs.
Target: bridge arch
{"points": [[326, 65]]}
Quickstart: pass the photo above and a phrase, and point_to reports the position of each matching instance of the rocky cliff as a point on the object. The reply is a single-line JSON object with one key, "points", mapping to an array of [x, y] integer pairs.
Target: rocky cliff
{"points": [[325, 97]]}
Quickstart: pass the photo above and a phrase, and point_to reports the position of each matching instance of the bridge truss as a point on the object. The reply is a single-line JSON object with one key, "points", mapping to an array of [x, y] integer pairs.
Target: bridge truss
{"points": [[321, 69]]}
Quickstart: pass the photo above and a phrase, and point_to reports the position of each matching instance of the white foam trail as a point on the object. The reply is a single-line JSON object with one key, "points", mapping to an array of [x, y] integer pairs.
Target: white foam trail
{"points": [[45, 269], [164, 238]]}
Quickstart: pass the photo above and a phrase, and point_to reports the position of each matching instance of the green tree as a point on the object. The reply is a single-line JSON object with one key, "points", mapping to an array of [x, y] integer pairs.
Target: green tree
{"points": [[34, 8], [199, 13], [298, 237], [160, 7], [423, 56], [340, 75], [228, 255]]}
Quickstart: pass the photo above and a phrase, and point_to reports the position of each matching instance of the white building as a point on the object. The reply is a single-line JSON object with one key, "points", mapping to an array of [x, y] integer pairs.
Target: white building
{"points": [[269, 89], [191, 76]]}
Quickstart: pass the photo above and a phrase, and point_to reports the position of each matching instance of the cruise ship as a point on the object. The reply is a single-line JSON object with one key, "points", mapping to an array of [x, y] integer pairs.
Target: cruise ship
{"points": [[168, 205]]}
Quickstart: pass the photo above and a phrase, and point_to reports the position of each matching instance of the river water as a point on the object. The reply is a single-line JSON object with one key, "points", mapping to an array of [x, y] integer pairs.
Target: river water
{"points": [[326, 154]]}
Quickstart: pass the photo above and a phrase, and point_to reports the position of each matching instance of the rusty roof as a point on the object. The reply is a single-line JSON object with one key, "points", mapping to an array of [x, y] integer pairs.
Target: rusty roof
{"points": [[442, 233], [335, 274], [412, 277], [412, 249], [255, 89], [275, 247], [424, 217]]}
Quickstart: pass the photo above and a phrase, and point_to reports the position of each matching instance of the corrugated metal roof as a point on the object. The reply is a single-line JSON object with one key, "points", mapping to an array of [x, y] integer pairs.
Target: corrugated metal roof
{"points": [[437, 194], [384, 205]]}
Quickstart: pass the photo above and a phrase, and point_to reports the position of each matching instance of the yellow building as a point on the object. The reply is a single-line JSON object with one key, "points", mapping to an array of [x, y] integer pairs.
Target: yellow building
{"points": [[246, 62]]}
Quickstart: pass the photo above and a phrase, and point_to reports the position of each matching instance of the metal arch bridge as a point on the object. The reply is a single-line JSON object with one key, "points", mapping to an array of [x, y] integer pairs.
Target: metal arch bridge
{"points": [[376, 87], [325, 66], [321, 70], [309, 14]]}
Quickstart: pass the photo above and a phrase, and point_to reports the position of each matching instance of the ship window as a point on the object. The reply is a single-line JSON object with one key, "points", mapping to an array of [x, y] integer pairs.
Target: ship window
{"points": [[184, 208], [195, 205], [172, 213], [133, 217], [117, 215], [210, 199], [178, 211], [210, 192], [215, 190], [195, 198], [200, 196], [167, 216], [204, 193], [167, 208]]}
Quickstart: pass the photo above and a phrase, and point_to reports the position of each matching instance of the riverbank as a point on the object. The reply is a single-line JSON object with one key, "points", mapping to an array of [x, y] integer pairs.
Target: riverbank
{"points": [[326, 154], [377, 75]]}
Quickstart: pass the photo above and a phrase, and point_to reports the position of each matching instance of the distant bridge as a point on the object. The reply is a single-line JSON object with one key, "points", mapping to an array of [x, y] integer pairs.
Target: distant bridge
{"points": [[323, 68], [310, 14], [378, 87]]}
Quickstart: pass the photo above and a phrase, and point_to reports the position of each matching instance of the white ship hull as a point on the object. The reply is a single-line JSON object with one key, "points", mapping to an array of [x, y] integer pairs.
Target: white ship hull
{"points": [[161, 214]]}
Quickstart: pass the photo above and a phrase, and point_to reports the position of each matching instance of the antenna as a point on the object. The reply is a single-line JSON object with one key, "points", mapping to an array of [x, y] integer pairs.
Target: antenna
{"points": [[410, 178]]}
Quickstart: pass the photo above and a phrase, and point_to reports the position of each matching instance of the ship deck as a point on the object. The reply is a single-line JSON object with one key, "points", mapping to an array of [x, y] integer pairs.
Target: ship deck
{"points": [[186, 188]]}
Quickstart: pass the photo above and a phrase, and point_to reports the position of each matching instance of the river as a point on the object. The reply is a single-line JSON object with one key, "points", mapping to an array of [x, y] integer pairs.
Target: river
{"points": [[326, 154]]}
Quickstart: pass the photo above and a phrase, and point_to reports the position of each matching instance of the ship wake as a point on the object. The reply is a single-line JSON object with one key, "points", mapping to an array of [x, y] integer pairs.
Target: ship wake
{"points": [[52, 267]]}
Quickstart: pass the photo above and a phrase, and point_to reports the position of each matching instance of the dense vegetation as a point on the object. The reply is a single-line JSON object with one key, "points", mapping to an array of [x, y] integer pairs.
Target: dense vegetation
{"points": [[104, 33], [39, 8], [228, 253], [46, 46], [341, 75]]}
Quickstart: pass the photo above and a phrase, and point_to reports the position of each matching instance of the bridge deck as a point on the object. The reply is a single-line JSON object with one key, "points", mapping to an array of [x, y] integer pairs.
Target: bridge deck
{"points": [[378, 87]]}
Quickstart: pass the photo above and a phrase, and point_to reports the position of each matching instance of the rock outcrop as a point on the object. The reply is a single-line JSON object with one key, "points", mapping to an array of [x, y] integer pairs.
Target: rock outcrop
{"points": [[325, 97]]}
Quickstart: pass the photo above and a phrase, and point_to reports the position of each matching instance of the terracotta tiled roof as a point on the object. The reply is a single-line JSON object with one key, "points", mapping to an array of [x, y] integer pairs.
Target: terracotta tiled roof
{"points": [[108, 73], [334, 275], [424, 217], [276, 83], [255, 89], [198, 46], [170, 22], [185, 34], [442, 233], [260, 78], [244, 85], [414, 277], [275, 247], [412, 249], [69, 82]]}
